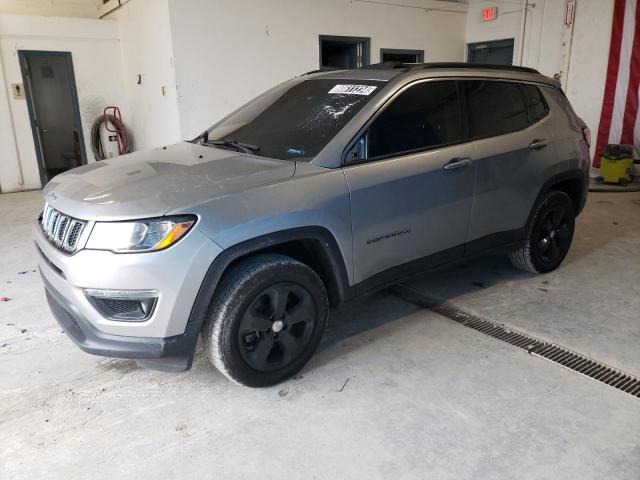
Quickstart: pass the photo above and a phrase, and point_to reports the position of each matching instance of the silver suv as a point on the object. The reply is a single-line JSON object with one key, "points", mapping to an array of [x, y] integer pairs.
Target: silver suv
{"points": [[325, 187]]}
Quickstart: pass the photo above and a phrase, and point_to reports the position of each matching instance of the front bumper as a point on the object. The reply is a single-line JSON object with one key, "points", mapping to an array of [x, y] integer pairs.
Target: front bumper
{"points": [[173, 354], [165, 340]]}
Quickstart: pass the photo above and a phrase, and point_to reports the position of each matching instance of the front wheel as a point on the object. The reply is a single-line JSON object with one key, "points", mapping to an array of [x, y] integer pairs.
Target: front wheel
{"points": [[549, 235], [266, 320]]}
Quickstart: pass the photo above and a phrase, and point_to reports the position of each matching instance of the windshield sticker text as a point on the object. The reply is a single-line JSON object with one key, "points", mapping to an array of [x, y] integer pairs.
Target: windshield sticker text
{"points": [[353, 89]]}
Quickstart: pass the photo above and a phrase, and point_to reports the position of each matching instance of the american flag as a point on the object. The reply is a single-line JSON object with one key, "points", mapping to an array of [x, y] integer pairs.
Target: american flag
{"points": [[619, 120]]}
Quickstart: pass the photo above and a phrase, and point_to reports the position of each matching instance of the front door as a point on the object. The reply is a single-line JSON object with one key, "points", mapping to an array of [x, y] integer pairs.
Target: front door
{"points": [[412, 188], [54, 112]]}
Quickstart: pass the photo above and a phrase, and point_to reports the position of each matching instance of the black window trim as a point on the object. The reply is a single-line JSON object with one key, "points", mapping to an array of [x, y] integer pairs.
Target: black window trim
{"points": [[527, 103], [383, 107], [547, 110], [462, 102]]}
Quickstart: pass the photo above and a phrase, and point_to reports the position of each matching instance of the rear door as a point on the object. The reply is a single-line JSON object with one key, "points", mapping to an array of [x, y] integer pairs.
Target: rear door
{"points": [[513, 155], [411, 183]]}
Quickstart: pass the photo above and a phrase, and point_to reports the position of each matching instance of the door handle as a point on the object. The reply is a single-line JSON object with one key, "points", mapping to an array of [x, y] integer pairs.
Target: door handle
{"points": [[538, 143], [43, 130], [457, 164]]}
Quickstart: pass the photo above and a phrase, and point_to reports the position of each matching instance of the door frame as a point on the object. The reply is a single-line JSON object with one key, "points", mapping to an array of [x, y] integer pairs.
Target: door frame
{"points": [[366, 41], [26, 79], [497, 42], [418, 53]]}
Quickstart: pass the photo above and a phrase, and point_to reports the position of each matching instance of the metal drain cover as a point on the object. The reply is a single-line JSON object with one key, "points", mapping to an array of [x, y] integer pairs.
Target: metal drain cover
{"points": [[562, 356]]}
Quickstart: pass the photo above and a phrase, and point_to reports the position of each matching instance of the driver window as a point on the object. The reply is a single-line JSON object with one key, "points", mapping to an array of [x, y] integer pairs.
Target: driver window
{"points": [[425, 115]]}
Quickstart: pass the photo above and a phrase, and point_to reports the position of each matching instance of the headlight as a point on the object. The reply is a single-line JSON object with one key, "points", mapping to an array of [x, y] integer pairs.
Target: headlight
{"points": [[139, 236]]}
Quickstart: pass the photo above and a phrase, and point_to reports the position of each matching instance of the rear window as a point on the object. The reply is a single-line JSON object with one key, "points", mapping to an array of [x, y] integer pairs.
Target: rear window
{"points": [[298, 118], [538, 108], [495, 108]]}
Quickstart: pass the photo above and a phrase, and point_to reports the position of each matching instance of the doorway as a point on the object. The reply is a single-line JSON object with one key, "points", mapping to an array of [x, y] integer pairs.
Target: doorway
{"points": [[52, 100], [496, 52], [401, 55], [344, 52]]}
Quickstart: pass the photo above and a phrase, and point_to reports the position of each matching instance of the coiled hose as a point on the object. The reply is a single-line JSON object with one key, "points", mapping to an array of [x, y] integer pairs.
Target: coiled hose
{"points": [[96, 142]]}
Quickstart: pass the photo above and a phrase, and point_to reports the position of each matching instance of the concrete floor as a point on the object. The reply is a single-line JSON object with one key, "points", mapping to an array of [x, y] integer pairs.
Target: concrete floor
{"points": [[424, 396]]}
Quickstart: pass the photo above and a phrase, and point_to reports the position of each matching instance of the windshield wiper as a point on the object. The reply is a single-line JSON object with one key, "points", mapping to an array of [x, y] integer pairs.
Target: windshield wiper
{"points": [[227, 142], [202, 138]]}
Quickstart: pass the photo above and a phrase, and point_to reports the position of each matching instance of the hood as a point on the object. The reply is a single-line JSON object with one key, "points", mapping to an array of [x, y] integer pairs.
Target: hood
{"points": [[154, 182]]}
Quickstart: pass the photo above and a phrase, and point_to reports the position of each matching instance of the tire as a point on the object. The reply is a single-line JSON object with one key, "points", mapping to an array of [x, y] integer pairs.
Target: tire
{"points": [[549, 235], [266, 320]]}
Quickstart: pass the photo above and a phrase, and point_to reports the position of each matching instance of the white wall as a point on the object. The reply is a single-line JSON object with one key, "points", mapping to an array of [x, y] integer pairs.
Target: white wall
{"points": [[97, 63], [507, 25], [228, 51], [147, 51], [543, 24], [588, 60], [53, 8], [548, 41]]}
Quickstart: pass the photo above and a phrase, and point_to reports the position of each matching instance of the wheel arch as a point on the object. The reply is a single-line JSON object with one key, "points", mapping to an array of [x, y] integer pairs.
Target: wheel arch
{"points": [[315, 246], [571, 182]]}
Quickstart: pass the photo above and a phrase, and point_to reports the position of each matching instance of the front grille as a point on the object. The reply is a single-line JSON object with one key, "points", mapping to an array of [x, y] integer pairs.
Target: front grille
{"points": [[61, 230]]}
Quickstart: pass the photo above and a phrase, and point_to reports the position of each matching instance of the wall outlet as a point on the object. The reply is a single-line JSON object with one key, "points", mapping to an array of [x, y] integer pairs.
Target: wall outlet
{"points": [[18, 91]]}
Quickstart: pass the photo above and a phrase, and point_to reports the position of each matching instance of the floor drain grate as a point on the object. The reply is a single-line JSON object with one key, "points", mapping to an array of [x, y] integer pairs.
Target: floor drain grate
{"points": [[560, 355]]}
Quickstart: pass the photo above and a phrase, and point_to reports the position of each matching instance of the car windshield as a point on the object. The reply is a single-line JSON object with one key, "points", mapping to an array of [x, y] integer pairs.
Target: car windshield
{"points": [[294, 120]]}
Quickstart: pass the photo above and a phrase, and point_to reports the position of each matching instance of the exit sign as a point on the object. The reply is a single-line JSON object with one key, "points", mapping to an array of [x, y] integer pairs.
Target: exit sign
{"points": [[489, 13]]}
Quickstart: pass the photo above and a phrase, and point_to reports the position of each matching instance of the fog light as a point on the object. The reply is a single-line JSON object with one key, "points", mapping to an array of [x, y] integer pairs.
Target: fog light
{"points": [[123, 305]]}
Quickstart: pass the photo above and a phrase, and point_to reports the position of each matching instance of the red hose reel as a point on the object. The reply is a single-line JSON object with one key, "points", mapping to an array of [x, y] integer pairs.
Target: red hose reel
{"points": [[118, 128]]}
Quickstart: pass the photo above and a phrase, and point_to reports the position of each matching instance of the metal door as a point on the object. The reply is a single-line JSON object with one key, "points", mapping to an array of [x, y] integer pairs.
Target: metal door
{"points": [[53, 108], [496, 52]]}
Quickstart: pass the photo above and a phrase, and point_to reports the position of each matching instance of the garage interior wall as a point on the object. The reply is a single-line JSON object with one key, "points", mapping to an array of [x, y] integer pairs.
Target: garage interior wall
{"points": [[579, 54], [229, 51], [97, 62], [52, 8], [177, 66], [147, 57]]}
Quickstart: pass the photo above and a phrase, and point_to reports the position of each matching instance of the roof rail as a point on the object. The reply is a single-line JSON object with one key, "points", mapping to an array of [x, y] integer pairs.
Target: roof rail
{"points": [[389, 65], [476, 66], [321, 69], [419, 66]]}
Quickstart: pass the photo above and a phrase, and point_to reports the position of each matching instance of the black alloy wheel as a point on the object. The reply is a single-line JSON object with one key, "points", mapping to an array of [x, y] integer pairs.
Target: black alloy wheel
{"points": [[553, 234], [276, 327], [549, 234], [266, 319]]}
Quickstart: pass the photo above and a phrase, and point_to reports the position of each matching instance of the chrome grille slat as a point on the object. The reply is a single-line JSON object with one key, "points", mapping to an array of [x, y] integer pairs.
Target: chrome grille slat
{"points": [[52, 223], [61, 230]]}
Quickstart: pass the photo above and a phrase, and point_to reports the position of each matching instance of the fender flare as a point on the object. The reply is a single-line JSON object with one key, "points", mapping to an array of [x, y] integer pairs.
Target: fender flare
{"points": [[333, 259], [575, 174]]}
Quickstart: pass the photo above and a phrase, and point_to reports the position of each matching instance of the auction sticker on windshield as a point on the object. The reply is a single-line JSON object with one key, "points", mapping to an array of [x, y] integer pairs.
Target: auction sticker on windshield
{"points": [[353, 89]]}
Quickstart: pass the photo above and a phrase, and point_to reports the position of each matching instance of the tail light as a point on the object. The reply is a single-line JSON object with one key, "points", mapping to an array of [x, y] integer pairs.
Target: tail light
{"points": [[586, 133]]}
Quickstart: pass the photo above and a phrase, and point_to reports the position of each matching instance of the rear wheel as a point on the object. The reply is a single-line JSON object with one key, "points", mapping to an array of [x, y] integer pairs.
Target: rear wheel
{"points": [[549, 236], [266, 321]]}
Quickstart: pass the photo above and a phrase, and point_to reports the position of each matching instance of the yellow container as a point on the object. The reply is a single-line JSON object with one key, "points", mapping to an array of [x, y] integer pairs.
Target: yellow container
{"points": [[616, 163]]}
